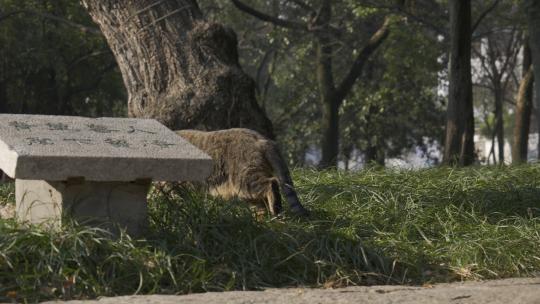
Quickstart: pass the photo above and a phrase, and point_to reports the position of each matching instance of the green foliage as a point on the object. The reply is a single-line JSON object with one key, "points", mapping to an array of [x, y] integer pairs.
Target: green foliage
{"points": [[440, 224], [394, 105], [362, 10], [377, 226], [51, 63]]}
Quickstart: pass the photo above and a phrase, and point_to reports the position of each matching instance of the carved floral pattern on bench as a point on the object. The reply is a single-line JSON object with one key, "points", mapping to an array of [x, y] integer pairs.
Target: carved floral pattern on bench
{"points": [[98, 128]]}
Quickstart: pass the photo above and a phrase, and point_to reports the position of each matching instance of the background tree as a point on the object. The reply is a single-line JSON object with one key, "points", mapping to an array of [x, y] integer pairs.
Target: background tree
{"points": [[497, 43], [319, 25], [390, 114], [532, 9], [399, 86], [524, 105], [459, 143], [55, 61], [494, 70]]}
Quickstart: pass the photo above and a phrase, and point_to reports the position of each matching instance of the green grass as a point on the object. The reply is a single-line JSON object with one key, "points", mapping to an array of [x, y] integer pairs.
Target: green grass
{"points": [[372, 227]]}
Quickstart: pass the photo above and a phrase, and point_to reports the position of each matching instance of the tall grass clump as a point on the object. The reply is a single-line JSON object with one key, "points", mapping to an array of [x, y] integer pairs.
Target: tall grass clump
{"points": [[369, 227]]}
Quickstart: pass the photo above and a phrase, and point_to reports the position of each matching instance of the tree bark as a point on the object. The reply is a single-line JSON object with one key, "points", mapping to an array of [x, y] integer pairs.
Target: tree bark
{"points": [[177, 67], [459, 142], [532, 7], [523, 112], [330, 138], [3, 97], [499, 121], [327, 91]]}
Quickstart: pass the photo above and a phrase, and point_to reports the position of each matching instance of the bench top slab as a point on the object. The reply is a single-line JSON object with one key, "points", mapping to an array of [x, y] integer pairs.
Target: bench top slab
{"points": [[42, 147]]}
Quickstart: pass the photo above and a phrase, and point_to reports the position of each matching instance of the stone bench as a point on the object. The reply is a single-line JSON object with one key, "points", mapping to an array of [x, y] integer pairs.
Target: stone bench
{"points": [[96, 170]]}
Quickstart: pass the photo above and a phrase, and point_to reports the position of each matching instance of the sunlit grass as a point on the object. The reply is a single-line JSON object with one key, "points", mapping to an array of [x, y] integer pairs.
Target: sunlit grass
{"points": [[440, 224], [371, 227]]}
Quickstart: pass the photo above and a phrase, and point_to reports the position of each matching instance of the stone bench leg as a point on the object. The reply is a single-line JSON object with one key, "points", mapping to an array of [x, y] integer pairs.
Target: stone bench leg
{"points": [[107, 205]]}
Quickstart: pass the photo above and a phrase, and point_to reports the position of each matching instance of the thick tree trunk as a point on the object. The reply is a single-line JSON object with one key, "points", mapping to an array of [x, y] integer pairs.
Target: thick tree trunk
{"points": [[520, 146], [177, 67], [459, 143], [532, 7], [325, 80]]}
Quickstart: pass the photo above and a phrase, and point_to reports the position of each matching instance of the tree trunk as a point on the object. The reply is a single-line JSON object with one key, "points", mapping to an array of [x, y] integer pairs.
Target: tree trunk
{"points": [[499, 122], [492, 150], [459, 142], [3, 97], [520, 146], [532, 7], [177, 67], [325, 80], [330, 140]]}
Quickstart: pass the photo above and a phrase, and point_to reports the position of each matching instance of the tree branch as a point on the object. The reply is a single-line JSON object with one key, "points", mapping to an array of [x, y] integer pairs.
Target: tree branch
{"points": [[484, 14], [490, 76], [399, 9], [356, 70], [492, 61], [265, 17], [511, 52]]}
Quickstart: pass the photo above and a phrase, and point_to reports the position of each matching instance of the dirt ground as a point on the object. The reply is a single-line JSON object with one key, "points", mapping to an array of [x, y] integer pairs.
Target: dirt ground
{"points": [[493, 292]]}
